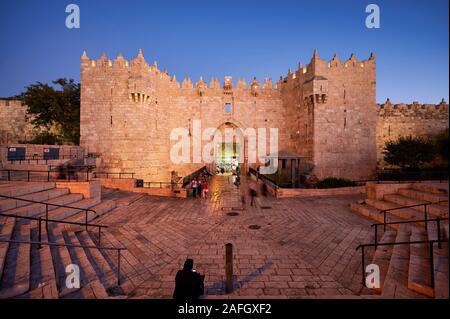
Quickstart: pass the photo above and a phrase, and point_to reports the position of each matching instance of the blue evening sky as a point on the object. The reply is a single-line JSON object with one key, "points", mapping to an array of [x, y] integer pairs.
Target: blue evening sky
{"points": [[238, 38]]}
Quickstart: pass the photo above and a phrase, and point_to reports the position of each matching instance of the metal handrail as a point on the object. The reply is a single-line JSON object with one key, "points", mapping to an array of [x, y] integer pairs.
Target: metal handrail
{"points": [[429, 242], [30, 242], [437, 220], [109, 173], [56, 221], [426, 204], [28, 159], [258, 175], [29, 177], [86, 210], [161, 184]]}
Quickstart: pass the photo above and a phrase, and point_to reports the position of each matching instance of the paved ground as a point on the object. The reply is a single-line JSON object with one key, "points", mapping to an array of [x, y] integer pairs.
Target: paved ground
{"points": [[303, 246]]}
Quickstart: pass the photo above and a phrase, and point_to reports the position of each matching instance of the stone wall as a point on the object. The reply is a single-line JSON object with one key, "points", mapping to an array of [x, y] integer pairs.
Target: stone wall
{"points": [[393, 121], [128, 111], [14, 125], [326, 112]]}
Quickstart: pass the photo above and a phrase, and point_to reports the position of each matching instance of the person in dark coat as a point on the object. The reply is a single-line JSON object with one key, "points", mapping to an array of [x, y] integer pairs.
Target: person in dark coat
{"points": [[188, 284]]}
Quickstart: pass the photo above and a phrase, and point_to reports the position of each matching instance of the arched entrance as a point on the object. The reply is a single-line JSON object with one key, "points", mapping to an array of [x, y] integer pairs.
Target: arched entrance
{"points": [[230, 151]]}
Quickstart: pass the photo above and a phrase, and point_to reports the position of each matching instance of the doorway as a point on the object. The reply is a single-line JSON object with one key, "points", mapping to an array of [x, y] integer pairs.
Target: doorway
{"points": [[227, 159]]}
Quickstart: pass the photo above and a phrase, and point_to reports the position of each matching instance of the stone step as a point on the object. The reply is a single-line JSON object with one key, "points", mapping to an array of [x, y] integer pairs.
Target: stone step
{"points": [[63, 213], [16, 279], [433, 209], [437, 188], [16, 189], [61, 259], [100, 209], [419, 276], [89, 278], [7, 204], [441, 269], [382, 256], [105, 273], [373, 213], [38, 208], [404, 213], [424, 196], [5, 233], [93, 290], [437, 210], [401, 200], [396, 281], [43, 281]]}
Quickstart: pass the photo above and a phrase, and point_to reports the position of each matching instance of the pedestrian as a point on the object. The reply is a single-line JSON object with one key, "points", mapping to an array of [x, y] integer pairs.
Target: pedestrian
{"points": [[253, 194], [189, 285], [199, 187], [204, 188], [194, 187], [237, 181]]}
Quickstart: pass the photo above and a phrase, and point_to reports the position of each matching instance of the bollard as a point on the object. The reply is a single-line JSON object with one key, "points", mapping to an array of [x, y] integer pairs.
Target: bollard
{"points": [[228, 268]]}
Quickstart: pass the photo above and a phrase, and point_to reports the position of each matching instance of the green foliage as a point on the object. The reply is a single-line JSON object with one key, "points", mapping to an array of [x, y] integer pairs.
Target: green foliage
{"points": [[46, 138], [409, 152], [55, 107], [442, 144], [333, 182]]}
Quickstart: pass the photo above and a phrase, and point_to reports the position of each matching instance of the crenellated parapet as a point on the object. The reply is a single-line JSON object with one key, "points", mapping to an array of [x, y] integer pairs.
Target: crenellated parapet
{"points": [[415, 110], [144, 80]]}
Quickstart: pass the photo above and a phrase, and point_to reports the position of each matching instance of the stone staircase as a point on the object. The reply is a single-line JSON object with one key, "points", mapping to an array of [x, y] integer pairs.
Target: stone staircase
{"points": [[29, 272], [405, 269]]}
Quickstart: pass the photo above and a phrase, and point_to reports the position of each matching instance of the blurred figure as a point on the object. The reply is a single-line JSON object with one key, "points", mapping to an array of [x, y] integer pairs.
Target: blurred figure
{"points": [[264, 189], [253, 193]]}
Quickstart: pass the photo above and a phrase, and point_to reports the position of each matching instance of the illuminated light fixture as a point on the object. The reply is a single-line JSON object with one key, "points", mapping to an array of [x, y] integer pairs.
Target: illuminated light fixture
{"points": [[362, 65], [304, 70], [346, 65]]}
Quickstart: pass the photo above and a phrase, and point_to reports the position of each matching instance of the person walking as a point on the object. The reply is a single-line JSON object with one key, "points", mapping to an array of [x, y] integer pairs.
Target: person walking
{"points": [[204, 188], [199, 187], [194, 186], [189, 285], [253, 193]]}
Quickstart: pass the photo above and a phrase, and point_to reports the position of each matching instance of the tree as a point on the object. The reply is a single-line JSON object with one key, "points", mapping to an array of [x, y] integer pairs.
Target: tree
{"points": [[442, 144], [55, 107], [409, 152]]}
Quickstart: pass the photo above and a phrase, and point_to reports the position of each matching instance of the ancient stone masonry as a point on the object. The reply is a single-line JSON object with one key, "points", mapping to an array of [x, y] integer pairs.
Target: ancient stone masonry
{"points": [[325, 111], [14, 125], [395, 120]]}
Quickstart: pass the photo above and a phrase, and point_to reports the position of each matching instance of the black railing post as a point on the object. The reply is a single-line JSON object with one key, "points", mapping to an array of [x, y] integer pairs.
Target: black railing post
{"points": [[228, 268], [384, 220], [48, 176], [9, 175], [118, 267], [438, 222], [46, 216], [28, 177], [431, 265], [86, 219], [426, 218], [363, 270], [40, 233], [376, 235]]}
